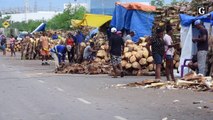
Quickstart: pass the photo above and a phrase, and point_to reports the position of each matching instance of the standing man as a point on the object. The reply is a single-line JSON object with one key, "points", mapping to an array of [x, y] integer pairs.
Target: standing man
{"points": [[3, 44], [12, 45], [158, 50], [202, 46], [58, 52], [116, 46], [45, 48], [24, 46]]}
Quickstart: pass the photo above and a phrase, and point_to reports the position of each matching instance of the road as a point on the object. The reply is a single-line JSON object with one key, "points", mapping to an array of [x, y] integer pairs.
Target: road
{"points": [[30, 91]]}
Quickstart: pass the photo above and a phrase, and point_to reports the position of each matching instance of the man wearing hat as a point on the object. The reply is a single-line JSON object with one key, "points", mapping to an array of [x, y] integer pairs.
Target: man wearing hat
{"points": [[116, 46], [202, 46]]}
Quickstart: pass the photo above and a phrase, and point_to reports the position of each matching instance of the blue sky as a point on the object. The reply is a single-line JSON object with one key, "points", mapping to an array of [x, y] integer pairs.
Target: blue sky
{"points": [[44, 4]]}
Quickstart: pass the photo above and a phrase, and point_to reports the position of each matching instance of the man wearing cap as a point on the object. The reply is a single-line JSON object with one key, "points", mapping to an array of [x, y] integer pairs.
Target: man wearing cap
{"points": [[58, 53], [116, 46], [202, 46]]}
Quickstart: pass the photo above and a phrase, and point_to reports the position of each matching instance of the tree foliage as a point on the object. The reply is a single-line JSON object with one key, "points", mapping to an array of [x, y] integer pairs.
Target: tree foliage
{"points": [[158, 3], [60, 21]]}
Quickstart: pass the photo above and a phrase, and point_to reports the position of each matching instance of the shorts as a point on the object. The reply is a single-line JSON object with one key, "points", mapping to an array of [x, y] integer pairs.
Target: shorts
{"points": [[158, 59], [3, 47], [115, 60], [169, 57], [44, 52]]}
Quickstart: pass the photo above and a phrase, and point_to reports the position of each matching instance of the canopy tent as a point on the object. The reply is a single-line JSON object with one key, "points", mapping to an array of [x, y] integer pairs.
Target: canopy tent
{"points": [[188, 32], [41, 27], [135, 17], [92, 20]]}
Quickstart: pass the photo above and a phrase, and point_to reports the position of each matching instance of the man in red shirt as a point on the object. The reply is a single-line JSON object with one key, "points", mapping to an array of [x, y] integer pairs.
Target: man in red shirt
{"points": [[70, 47]]}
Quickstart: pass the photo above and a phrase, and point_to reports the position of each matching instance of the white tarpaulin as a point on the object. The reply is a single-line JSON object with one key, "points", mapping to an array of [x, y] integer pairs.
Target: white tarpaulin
{"points": [[186, 44], [188, 47]]}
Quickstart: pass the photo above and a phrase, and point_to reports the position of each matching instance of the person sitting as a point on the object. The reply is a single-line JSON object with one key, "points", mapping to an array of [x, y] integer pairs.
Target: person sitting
{"points": [[88, 52], [193, 64], [58, 53], [129, 36]]}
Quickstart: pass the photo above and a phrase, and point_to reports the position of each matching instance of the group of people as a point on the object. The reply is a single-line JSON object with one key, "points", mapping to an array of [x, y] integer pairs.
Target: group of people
{"points": [[163, 48], [3, 44]]}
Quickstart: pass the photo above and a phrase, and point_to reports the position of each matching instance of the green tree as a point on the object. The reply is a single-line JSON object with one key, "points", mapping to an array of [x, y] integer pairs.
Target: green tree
{"points": [[174, 2], [158, 3], [62, 21]]}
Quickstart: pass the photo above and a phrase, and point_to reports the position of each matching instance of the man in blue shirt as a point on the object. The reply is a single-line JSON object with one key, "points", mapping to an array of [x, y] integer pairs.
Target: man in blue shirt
{"points": [[55, 36], [58, 53]]}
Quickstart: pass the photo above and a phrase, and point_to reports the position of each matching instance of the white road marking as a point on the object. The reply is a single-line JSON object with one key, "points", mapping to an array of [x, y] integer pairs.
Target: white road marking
{"points": [[119, 118], [41, 81], [59, 89], [39, 73], [84, 101]]}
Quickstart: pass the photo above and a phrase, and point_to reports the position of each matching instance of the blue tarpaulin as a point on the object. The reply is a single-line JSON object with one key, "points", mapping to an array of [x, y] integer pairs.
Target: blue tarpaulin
{"points": [[186, 20], [41, 27], [134, 20]]}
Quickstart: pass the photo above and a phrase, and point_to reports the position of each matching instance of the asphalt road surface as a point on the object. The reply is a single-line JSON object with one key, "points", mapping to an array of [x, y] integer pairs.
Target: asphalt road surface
{"points": [[30, 91]]}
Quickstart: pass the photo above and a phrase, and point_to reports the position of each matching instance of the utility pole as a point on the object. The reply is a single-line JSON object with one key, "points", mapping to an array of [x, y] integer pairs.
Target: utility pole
{"points": [[35, 6], [50, 5], [26, 9]]}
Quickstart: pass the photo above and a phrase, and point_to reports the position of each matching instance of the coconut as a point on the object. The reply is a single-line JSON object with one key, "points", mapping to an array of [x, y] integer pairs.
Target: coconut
{"points": [[150, 59], [101, 53], [139, 55], [128, 55], [97, 59], [126, 49], [132, 59], [123, 63], [134, 53], [136, 65], [151, 67], [143, 61], [129, 41], [145, 52], [128, 66]]}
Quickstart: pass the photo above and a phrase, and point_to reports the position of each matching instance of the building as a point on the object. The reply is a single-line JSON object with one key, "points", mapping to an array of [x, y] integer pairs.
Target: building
{"points": [[102, 6], [40, 15]]}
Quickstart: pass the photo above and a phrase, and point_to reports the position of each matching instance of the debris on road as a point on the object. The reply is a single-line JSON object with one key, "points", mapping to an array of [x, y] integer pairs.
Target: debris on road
{"points": [[190, 81]]}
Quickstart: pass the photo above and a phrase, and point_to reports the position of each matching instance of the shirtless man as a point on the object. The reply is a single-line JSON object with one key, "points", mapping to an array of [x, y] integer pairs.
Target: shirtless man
{"points": [[44, 48]]}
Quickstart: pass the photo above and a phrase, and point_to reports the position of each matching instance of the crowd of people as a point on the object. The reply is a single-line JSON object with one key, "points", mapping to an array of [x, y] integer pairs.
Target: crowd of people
{"points": [[161, 43]]}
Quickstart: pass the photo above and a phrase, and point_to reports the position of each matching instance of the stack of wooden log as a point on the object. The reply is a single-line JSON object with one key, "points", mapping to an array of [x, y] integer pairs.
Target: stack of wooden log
{"points": [[191, 81], [17, 47], [136, 59], [86, 68]]}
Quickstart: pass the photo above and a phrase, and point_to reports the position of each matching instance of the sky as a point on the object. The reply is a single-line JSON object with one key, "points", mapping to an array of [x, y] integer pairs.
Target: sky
{"points": [[55, 5]]}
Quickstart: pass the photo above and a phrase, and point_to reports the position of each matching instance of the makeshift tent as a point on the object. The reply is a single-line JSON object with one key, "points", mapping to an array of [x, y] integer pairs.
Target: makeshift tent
{"points": [[135, 17], [41, 27], [188, 32], [92, 20]]}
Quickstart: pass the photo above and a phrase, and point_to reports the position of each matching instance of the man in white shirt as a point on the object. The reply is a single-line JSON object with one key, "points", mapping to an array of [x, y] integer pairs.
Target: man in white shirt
{"points": [[169, 53], [129, 36]]}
